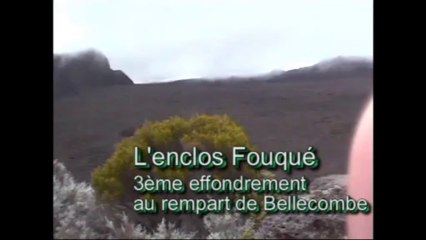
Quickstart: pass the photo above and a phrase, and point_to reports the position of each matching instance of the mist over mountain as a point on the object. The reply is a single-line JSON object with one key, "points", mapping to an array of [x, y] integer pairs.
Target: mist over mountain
{"points": [[90, 69], [342, 63], [338, 67], [82, 71]]}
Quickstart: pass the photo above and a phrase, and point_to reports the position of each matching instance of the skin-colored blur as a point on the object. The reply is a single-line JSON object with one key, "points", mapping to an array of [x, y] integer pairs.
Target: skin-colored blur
{"points": [[360, 226]]}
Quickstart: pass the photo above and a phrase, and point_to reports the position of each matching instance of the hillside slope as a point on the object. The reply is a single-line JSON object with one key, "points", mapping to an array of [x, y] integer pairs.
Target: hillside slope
{"points": [[286, 114]]}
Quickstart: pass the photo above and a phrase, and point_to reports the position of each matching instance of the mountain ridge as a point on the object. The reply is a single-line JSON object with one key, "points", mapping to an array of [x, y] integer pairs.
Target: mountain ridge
{"points": [[88, 69], [82, 71], [338, 67]]}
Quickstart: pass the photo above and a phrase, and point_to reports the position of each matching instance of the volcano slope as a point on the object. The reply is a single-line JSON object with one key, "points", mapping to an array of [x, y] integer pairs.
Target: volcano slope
{"points": [[281, 113]]}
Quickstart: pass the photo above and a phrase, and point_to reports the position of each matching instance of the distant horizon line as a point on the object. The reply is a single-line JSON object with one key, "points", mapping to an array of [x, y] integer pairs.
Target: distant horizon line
{"points": [[356, 58]]}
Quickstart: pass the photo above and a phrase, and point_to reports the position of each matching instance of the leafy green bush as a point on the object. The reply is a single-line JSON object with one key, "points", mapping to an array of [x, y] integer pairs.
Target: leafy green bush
{"points": [[114, 180]]}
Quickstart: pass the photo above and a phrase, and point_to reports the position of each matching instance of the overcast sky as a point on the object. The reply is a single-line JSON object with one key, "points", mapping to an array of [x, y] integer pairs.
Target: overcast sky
{"points": [[153, 40]]}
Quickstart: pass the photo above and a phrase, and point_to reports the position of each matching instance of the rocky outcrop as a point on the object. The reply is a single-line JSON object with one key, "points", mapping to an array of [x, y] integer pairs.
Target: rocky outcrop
{"points": [[74, 73], [310, 226]]}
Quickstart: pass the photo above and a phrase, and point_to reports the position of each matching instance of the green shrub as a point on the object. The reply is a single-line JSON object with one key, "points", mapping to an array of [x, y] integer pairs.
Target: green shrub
{"points": [[114, 180]]}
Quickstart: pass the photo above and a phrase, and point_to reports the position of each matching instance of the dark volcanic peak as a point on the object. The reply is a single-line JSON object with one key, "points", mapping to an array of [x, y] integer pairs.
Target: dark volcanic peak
{"points": [[77, 72]]}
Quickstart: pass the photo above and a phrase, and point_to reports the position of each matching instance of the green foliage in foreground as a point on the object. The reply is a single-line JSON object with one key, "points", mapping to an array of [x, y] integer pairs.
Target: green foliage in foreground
{"points": [[114, 179]]}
